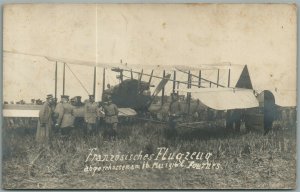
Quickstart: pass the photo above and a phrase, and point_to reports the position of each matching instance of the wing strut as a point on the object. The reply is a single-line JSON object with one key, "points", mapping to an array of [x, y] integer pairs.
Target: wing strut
{"points": [[199, 79], [103, 84], [140, 79], [228, 78], [151, 77], [218, 77], [163, 90], [210, 82], [189, 94], [64, 78], [174, 82], [94, 85], [55, 91], [159, 77]]}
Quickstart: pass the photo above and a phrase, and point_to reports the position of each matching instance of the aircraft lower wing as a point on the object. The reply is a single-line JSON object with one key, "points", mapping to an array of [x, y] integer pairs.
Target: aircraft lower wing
{"points": [[11, 110], [127, 112], [225, 98], [123, 112], [20, 113], [16, 110]]}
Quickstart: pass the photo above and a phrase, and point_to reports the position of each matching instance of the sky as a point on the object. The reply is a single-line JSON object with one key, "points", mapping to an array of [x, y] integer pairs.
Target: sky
{"points": [[263, 37]]}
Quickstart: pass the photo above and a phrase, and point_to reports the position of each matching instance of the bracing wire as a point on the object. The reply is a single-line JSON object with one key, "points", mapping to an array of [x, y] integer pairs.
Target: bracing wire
{"points": [[78, 79]]}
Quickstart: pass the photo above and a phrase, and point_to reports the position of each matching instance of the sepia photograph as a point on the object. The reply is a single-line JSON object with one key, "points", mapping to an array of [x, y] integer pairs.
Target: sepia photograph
{"points": [[149, 96]]}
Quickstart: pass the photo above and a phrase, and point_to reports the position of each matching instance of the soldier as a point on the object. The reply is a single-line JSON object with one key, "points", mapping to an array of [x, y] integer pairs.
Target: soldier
{"points": [[174, 110], [58, 113], [237, 118], [109, 88], [39, 102], [78, 101], [45, 121], [196, 110], [90, 114], [107, 92], [111, 114], [72, 101], [64, 110]]}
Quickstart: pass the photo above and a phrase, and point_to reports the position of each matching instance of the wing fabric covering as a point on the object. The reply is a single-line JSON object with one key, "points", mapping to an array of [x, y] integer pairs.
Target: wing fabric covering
{"points": [[225, 98], [33, 111], [21, 110]]}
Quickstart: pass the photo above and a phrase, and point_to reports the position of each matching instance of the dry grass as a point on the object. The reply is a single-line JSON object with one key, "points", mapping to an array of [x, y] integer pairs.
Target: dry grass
{"points": [[247, 160]]}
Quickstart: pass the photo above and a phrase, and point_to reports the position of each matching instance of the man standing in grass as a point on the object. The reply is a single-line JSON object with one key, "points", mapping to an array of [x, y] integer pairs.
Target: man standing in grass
{"points": [[111, 115], [45, 122], [90, 114], [64, 112], [174, 111]]}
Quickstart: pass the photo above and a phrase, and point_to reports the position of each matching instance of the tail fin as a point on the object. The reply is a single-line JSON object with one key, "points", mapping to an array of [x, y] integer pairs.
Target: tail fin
{"points": [[244, 80]]}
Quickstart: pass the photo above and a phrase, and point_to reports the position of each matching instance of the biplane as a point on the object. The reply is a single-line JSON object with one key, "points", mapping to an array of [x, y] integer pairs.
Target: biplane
{"points": [[136, 97]]}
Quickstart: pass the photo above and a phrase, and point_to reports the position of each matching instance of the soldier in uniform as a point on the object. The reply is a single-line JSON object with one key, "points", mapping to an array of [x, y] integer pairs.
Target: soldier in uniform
{"points": [[237, 118], [107, 92], [111, 115], [65, 120], [90, 114], [78, 101], [72, 101], [174, 110], [45, 122]]}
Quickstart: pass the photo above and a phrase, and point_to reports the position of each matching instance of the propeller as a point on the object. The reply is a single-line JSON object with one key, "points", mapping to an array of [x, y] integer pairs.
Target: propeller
{"points": [[159, 87]]}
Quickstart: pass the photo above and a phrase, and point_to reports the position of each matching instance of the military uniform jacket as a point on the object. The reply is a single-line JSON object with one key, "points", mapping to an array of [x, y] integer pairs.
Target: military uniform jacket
{"points": [[65, 117], [111, 113], [90, 112], [44, 124], [59, 112], [45, 114], [175, 108]]}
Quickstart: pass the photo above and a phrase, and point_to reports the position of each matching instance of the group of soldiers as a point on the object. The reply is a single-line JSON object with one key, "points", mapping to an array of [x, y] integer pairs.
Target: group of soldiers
{"points": [[179, 110], [62, 116]]}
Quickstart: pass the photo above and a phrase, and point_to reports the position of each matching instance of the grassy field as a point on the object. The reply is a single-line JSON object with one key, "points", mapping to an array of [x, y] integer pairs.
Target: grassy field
{"points": [[247, 160]]}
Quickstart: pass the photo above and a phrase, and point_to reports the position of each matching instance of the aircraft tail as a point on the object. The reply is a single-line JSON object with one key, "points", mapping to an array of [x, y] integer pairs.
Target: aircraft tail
{"points": [[244, 80]]}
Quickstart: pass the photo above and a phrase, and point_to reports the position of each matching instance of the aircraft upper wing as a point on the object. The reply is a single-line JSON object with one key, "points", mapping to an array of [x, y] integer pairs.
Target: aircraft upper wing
{"points": [[225, 98], [187, 67]]}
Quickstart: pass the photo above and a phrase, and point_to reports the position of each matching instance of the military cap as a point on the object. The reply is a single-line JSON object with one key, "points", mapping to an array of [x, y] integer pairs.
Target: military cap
{"points": [[174, 94], [65, 96], [49, 96]]}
